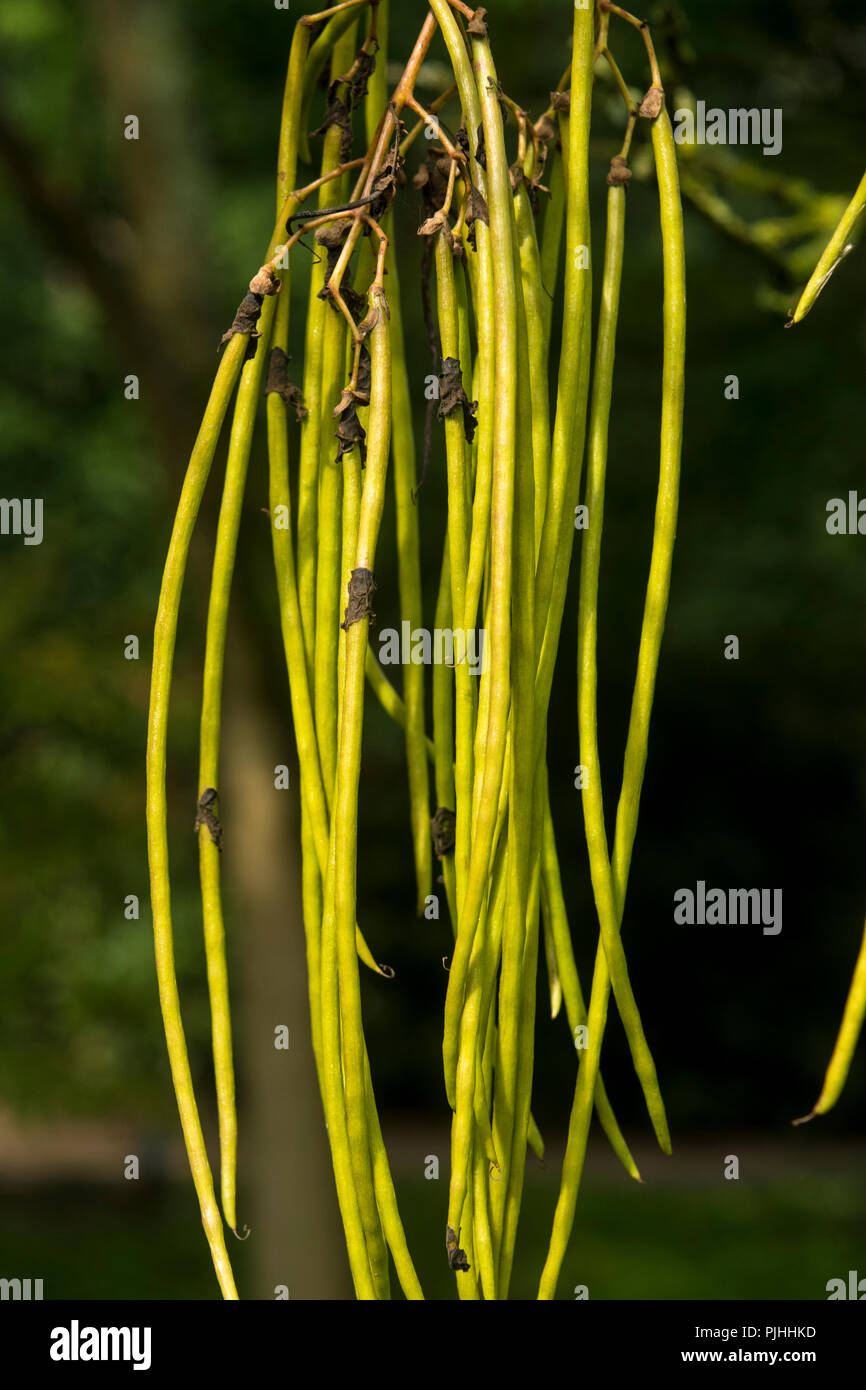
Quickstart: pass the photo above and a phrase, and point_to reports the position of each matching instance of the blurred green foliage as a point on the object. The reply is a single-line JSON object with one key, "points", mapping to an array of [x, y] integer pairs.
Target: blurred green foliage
{"points": [[757, 772]]}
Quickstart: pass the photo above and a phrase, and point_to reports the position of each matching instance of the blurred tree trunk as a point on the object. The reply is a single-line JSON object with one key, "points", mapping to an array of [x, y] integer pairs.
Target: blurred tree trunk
{"points": [[284, 1164]]}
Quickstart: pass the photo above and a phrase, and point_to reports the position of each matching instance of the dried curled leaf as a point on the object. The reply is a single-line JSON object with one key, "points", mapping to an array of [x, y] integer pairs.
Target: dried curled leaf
{"points": [[365, 66], [432, 181], [333, 234], [354, 301], [386, 181], [476, 211], [480, 148], [205, 815], [351, 433], [456, 1257], [365, 376], [561, 101], [337, 113], [245, 320], [443, 830], [278, 381], [360, 591], [453, 397]]}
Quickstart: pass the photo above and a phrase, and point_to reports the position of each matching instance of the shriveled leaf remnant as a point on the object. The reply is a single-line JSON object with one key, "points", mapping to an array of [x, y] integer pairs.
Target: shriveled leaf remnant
{"points": [[453, 397]]}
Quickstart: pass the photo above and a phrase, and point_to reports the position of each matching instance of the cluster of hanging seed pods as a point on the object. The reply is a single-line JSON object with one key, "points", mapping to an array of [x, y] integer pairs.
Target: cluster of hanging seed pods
{"points": [[505, 233]]}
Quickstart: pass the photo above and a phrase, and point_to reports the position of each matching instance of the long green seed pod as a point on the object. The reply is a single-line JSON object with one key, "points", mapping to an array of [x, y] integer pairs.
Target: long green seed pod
{"points": [[290, 122], [320, 316], [312, 784], [313, 805], [523, 1124], [458, 552], [846, 1043], [165, 634], [592, 798], [578, 1131], [462, 1013], [403, 461], [319, 53], [534, 299], [386, 1199], [329, 503], [499, 626], [667, 503], [227, 533], [468, 1285], [240, 444], [655, 609], [409, 585], [443, 732], [587, 716], [482, 1242], [554, 984], [575, 1008], [345, 815], [481, 283], [520, 935], [835, 251], [352, 1198]]}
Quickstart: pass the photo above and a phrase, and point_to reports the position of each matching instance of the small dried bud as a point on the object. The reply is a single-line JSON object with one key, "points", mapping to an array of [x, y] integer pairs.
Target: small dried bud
{"points": [[477, 25], [265, 281], [619, 172], [652, 103]]}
